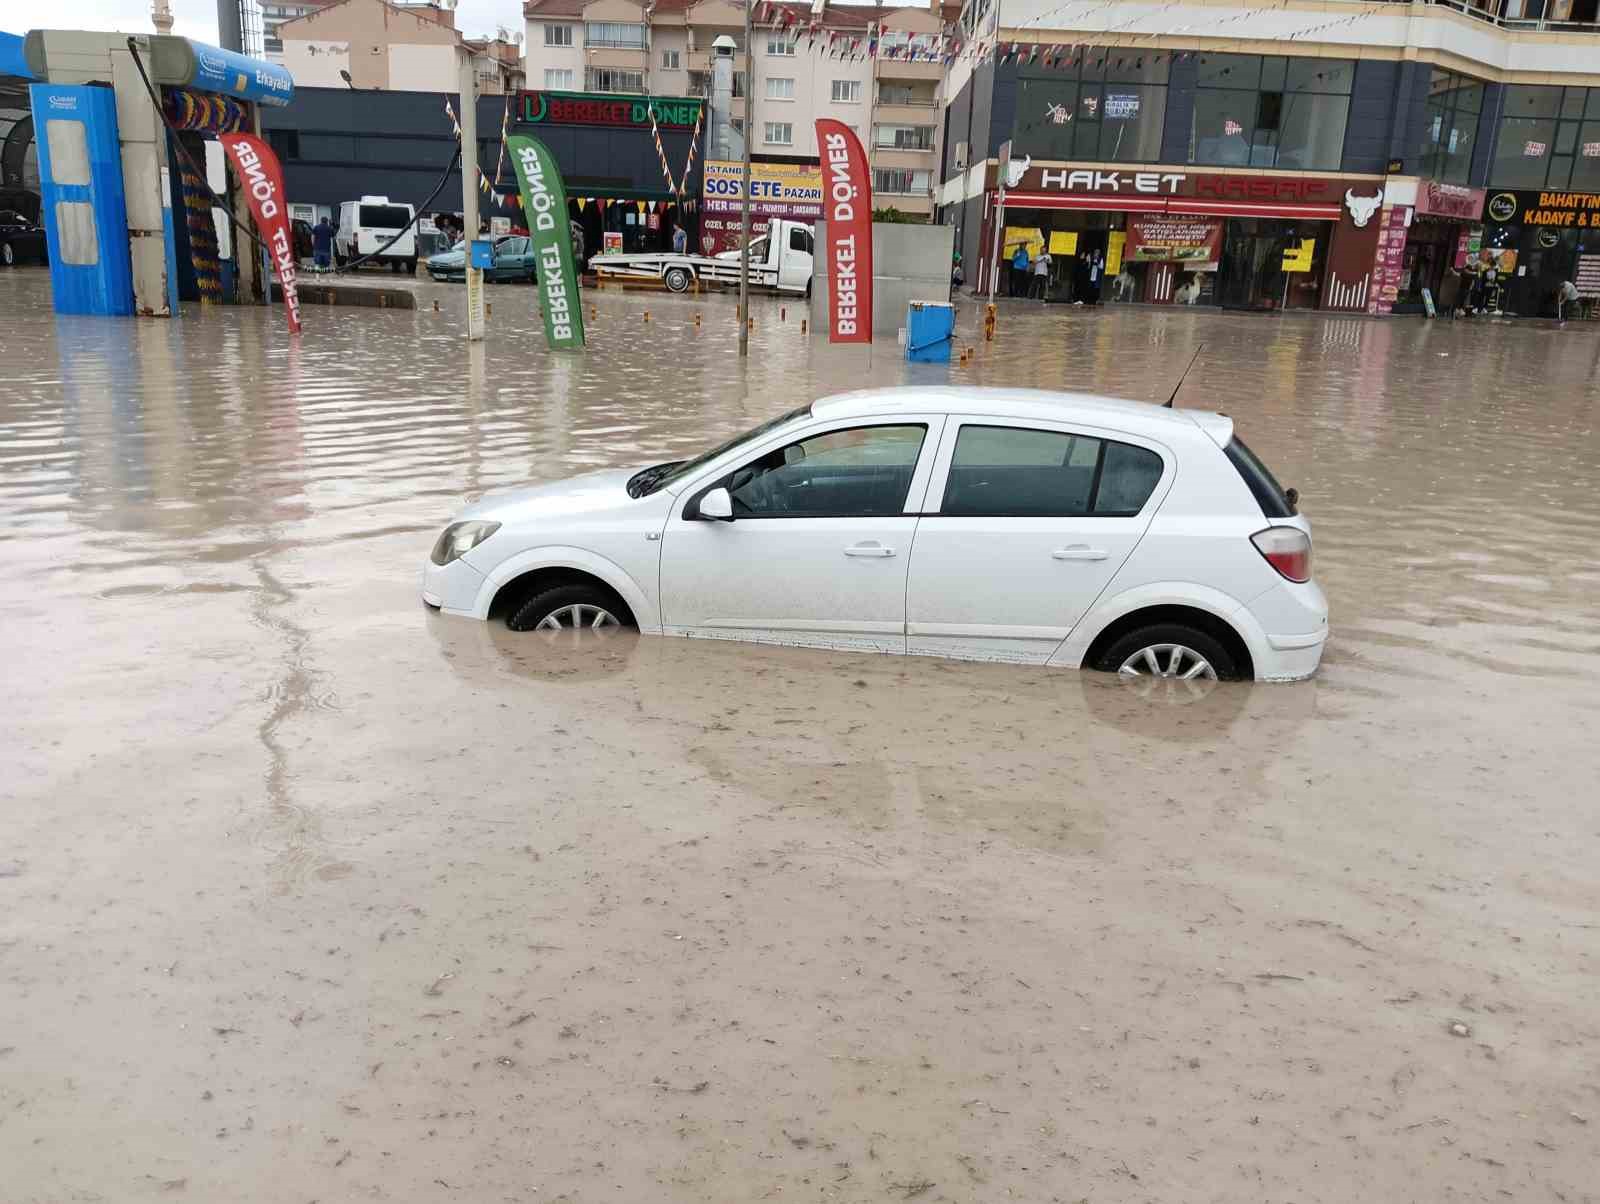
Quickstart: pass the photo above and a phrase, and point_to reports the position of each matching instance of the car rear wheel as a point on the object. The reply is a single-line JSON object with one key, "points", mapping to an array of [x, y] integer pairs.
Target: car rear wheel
{"points": [[570, 608], [1169, 650], [8, 254], [678, 280]]}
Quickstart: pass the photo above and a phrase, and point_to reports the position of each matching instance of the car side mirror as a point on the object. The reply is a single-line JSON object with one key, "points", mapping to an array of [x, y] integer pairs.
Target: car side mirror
{"points": [[717, 506]]}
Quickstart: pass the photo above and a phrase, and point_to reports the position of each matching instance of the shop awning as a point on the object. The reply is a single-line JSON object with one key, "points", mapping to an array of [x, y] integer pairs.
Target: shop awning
{"points": [[1189, 206], [1325, 213], [1057, 200]]}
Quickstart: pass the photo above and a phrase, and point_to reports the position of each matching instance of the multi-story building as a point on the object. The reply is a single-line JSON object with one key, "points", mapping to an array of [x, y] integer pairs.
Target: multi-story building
{"points": [[378, 44], [877, 70], [1345, 156], [274, 13]]}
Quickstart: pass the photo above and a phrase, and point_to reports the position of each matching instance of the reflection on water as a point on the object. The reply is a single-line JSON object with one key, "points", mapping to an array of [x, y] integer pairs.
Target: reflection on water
{"points": [[441, 903]]}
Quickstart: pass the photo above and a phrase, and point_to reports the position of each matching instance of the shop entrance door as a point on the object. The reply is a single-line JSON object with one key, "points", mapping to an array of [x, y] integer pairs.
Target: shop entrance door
{"points": [[1251, 273]]}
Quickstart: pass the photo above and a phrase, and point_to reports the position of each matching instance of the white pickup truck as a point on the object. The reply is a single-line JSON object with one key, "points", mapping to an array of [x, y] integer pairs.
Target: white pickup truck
{"points": [[779, 260]]}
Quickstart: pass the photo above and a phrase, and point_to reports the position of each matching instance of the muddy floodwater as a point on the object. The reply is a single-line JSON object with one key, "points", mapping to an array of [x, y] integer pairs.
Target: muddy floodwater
{"points": [[309, 894]]}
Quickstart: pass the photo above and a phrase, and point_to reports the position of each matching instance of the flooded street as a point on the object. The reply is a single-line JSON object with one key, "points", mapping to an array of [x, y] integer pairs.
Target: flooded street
{"points": [[310, 894]]}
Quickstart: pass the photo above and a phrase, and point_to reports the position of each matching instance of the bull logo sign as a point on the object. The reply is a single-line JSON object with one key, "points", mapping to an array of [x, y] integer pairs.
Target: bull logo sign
{"points": [[1016, 169], [1361, 207]]}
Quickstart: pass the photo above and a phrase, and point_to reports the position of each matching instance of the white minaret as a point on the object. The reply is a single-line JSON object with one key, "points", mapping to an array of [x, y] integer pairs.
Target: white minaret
{"points": [[161, 16]]}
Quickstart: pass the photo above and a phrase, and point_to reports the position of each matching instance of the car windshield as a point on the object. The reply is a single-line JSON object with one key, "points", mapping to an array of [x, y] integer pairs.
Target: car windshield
{"points": [[643, 484]]}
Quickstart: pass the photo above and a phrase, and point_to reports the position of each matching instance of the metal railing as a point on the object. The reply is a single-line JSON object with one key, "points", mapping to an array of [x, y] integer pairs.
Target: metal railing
{"points": [[910, 102], [1495, 13]]}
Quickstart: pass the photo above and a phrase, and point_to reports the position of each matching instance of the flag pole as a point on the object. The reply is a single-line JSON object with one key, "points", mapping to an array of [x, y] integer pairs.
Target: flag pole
{"points": [[744, 205]]}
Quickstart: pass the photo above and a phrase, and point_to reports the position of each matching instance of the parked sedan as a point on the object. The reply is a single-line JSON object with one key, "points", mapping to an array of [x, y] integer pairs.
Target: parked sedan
{"points": [[21, 239], [513, 260], [1006, 525]]}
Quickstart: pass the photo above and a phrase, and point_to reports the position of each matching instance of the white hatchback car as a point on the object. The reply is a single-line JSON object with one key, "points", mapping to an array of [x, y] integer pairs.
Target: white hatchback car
{"points": [[984, 524]]}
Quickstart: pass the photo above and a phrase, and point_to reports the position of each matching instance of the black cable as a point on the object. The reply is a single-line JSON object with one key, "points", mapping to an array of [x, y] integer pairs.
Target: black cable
{"points": [[416, 215], [183, 152], [222, 203]]}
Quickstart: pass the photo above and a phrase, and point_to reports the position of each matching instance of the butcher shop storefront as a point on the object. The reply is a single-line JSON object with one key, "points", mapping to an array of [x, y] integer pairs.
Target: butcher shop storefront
{"points": [[1168, 236]]}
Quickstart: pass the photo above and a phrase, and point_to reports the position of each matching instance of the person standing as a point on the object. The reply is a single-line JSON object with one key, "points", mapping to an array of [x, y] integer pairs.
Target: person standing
{"points": [[1019, 270], [1097, 263], [680, 239], [322, 244], [1566, 294], [1041, 274]]}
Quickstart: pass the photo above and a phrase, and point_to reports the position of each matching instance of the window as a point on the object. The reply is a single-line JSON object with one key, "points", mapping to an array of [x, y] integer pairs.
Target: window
{"points": [[285, 143], [609, 79], [846, 91], [623, 34], [558, 77], [385, 217], [800, 239], [669, 60], [1271, 111], [1548, 138], [779, 46], [895, 182], [1099, 105], [902, 137], [1451, 126], [856, 473], [558, 35], [780, 89], [1046, 474], [779, 133]]}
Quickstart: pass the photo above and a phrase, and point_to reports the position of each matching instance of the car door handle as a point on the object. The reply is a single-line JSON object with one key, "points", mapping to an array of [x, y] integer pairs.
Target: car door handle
{"points": [[868, 549], [1079, 551]]}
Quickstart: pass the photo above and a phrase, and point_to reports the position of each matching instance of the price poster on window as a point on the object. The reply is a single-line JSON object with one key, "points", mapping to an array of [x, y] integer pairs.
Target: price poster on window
{"points": [[1588, 278], [1390, 262]]}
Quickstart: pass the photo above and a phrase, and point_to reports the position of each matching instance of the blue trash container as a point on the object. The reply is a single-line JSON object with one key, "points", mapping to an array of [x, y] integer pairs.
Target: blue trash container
{"points": [[929, 325]]}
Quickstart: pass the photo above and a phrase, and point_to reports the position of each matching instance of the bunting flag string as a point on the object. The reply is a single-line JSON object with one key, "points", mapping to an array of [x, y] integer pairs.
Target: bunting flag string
{"points": [[501, 199]]}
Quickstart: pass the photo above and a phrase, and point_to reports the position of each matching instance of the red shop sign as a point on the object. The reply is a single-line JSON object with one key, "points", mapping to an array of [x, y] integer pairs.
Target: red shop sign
{"points": [[1449, 200]]}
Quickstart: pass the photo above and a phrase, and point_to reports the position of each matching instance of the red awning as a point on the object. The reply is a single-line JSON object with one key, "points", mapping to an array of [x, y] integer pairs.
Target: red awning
{"points": [[1326, 213], [1197, 206], [1057, 200]]}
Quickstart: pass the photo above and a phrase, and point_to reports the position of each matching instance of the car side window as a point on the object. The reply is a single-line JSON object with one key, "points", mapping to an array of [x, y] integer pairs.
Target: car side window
{"points": [[1017, 472], [799, 240], [859, 472]]}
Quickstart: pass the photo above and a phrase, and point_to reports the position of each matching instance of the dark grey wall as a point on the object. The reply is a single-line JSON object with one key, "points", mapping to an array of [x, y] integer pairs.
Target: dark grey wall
{"points": [[1375, 103], [958, 127], [397, 144], [1494, 97], [1178, 123]]}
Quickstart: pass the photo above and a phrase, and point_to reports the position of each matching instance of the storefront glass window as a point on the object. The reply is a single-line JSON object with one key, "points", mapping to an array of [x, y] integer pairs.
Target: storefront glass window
{"points": [[1451, 128], [1542, 141], [1271, 111], [1102, 106]]}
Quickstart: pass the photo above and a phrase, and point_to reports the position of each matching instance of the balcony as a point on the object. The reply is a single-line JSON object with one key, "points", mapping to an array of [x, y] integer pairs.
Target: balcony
{"points": [[907, 69], [700, 60], [906, 111], [627, 60]]}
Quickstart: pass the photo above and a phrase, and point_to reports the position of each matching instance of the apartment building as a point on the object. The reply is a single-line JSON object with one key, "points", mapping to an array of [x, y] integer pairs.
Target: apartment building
{"points": [[1356, 157], [377, 44], [824, 60], [274, 13]]}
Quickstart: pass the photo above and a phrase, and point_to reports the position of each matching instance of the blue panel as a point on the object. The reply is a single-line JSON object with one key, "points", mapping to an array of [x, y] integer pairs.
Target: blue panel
{"points": [[928, 328], [482, 253], [105, 285], [217, 70], [12, 61]]}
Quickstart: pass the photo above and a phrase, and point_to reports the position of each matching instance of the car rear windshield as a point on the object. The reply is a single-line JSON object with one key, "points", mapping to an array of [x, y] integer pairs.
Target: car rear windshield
{"points": [[384, 217], [1269, 495]]}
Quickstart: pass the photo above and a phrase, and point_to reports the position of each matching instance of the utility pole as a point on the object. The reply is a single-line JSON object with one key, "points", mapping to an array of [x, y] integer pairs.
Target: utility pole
{"points": [[469, 192], [744, 205]]}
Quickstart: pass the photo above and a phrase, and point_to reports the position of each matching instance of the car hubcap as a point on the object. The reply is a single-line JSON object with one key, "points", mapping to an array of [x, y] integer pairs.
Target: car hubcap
{"points": [[8, 254], [1168, 660], [578, 617]]}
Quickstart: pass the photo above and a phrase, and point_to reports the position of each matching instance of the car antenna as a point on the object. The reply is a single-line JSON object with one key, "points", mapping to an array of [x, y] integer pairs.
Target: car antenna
{"points": [[1185, 376]]}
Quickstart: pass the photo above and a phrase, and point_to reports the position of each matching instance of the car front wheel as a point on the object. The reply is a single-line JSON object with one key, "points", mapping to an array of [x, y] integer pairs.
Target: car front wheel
{"points": [[570, 608], [1169, 650], [8, 254]]}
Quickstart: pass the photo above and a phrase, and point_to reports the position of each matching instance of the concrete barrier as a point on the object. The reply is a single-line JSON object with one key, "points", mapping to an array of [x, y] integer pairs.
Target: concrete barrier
{"points": [[909, 263]]}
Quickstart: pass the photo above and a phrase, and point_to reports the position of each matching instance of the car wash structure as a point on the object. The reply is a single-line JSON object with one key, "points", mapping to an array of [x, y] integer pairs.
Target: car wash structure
{"points": [[122, 125]]}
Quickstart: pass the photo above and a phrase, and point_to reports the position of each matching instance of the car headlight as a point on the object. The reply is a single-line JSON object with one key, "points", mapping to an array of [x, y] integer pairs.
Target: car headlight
{"points": [[460, 538]]}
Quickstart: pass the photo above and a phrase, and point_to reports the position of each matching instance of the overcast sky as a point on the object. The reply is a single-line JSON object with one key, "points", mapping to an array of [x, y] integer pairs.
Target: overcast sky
{"points": [[198, 18]]}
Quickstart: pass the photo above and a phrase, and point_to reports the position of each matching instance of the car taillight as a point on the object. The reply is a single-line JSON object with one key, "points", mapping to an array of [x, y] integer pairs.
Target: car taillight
{"points": [[1287, 549]]}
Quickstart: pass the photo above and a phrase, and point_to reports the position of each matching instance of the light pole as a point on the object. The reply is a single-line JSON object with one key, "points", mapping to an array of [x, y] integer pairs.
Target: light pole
{"points": [[469, 193], [744, 205]]}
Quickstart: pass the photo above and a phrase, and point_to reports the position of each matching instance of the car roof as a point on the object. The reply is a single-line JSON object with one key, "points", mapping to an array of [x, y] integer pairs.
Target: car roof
{"points": [[1135, 417]]}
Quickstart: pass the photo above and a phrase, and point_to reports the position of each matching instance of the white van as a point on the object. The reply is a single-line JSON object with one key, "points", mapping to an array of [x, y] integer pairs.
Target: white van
{"points": [[367, 224]]}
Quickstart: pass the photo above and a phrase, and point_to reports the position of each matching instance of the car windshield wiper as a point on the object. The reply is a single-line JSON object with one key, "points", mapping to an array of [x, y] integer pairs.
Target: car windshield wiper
{"points": [[644, 482]]}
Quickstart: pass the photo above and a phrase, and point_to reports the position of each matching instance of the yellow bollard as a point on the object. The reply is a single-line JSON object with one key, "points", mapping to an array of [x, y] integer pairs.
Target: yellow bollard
{"points": [[988, 323], [647, 315], [697, 317], [435, 305], [594, 313], [488, 308], [783, 313], [752, 323], [803, 326]]}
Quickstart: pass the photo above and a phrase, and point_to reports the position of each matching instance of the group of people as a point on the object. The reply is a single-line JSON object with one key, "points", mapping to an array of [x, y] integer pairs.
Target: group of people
{"points": [[1030, 274]]}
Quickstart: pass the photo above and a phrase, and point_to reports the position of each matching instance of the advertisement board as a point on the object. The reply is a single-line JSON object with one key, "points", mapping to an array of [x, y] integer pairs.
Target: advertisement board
{"points": [[787, 190], [1562, 210], [1165, 238]]}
